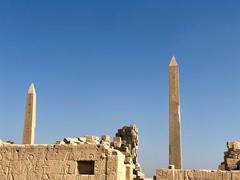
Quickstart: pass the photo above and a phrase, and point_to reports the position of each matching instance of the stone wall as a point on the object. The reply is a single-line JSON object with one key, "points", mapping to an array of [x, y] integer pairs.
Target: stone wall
{"points": [[176, 174], [81, 158], [231, 157], [61, 162]]}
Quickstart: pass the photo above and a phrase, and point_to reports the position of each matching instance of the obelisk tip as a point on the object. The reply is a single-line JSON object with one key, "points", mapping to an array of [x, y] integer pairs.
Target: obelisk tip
{"points": [[173, 62], [31, 89]]}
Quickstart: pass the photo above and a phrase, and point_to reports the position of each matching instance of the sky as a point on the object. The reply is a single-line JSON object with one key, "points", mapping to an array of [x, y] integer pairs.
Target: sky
{"points": [[101, 65]]}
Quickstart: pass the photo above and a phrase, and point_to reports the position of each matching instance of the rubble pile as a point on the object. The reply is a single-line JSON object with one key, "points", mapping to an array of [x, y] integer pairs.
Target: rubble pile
{"points": [[231, 157], [105, 140], [80, 140]]}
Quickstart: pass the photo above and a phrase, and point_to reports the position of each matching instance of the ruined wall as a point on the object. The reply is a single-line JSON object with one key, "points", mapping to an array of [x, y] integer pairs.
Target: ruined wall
{"points": [[127, 141], [61, 162], [176, 174], [231, 157]]}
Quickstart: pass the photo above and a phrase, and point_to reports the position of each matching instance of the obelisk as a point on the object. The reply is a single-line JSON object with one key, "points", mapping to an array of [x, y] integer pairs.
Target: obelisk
{"points": [[174, 116], [30, 116]]}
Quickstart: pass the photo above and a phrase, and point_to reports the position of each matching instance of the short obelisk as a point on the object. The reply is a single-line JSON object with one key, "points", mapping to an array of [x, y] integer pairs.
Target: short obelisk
{"points": [[174, 116], [30, 116]]}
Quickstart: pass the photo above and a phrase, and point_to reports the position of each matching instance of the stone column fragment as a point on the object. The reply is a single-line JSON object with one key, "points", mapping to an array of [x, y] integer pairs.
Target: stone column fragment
{"points": [[30, 116], [174, 116]]}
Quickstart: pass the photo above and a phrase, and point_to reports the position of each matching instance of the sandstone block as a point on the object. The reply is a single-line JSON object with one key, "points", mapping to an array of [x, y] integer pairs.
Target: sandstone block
{"points": [[234, 145], [117, 142]]}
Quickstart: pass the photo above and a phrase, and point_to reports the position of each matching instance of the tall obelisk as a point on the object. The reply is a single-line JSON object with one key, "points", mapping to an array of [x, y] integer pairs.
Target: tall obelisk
{"points": [[30, 116], [174, 116]]}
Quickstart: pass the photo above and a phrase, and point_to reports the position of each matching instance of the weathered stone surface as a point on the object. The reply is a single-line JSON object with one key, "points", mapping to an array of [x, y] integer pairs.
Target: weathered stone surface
{"points": [[231, 157], [129, 172], [177, 174], [129, 137], [30, 116], [81, 140], [233, 145], [165, 174], [62, 162], [117, 142], [92, 139], [126, 141], [174, 116], [71, 141], [105, 140]]}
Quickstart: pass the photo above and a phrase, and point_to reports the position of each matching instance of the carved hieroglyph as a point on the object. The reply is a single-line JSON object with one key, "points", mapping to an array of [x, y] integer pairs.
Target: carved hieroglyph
{"points": [[30, 116], [62, 162], [177, 174], [174, 116]]}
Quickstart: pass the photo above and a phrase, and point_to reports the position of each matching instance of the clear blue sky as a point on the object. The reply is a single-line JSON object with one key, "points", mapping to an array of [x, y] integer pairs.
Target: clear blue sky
{"points": [[100, 65]]}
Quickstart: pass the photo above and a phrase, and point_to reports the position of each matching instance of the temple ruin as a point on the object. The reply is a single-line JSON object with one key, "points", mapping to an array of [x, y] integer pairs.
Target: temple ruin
{"points": [[82, 158], [100, 158]]}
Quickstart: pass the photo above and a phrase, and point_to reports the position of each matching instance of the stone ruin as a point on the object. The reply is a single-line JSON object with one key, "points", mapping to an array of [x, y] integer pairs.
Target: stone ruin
{"points": [[83, 158], [231, 157], [128, 136], [125, 141], [178, 174], [227, 170], [94, 158]]}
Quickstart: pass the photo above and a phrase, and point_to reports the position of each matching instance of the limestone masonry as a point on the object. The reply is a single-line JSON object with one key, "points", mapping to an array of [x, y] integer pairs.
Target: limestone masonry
{"points": [[100, 158]]}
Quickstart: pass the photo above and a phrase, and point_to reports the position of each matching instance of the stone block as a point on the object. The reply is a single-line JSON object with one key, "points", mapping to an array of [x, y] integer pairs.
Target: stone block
{"points": [[235, 175], [92, 140], [105, 138], [165, 174], [234, 145], [117, 142]]}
